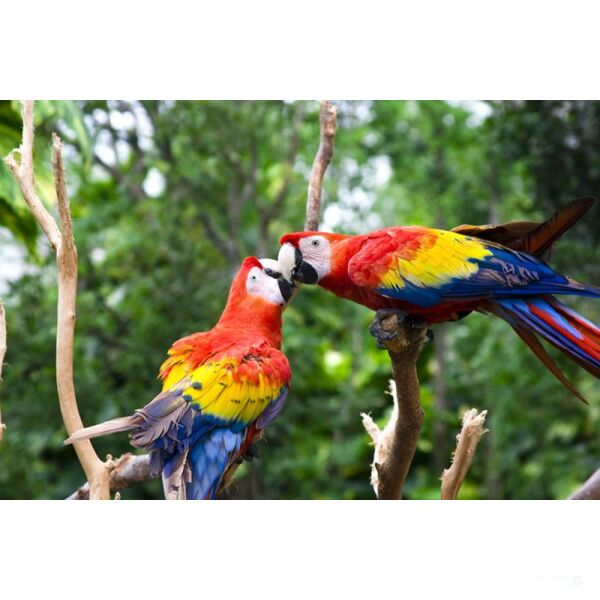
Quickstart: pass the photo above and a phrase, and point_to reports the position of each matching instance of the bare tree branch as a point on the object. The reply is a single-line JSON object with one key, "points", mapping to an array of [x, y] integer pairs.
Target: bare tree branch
{"points": [[320, 164], [63, 243], [2, 354], [269, 211], [590, 490], [126, 471], [466, 444], [396, 444], [25, 178]]}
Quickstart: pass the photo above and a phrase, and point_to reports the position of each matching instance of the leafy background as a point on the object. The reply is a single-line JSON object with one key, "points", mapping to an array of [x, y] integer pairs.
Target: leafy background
{"points": [[169, 196]]}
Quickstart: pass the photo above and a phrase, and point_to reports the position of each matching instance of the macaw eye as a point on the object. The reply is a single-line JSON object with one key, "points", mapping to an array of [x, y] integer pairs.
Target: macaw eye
{"points": [[253, 277], [315, 243]]}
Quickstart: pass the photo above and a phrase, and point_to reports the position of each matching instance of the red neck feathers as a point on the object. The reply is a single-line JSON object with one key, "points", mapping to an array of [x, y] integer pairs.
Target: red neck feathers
{"points": [[247, 315], [342, 250]]}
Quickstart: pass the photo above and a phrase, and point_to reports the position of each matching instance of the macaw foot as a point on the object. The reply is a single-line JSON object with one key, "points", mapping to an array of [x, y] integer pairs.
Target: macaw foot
{"points": [[376, 328], [381, 335]]}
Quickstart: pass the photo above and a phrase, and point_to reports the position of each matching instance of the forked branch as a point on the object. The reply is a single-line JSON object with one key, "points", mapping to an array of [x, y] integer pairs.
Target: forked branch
{"points": [[125, 472], [395, 445], [96, 471]]}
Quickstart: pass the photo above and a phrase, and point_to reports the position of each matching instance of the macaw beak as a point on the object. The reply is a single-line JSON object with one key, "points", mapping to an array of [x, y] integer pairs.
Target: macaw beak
{"points": [[305, 273], [272, 273], [294, 267], [286, 289], [274, 269]]}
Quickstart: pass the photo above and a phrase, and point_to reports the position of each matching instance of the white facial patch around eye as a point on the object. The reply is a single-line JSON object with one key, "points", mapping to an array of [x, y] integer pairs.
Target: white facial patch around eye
{"points": [[316, 251], [258, 283]]}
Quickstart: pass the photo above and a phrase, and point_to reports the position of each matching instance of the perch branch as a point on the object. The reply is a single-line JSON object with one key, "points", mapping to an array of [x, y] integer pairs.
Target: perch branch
{"points": [[126, 471], [590, 490], [96, 471], [466, 444], [320, 164], [395, 445], [2, 353]]}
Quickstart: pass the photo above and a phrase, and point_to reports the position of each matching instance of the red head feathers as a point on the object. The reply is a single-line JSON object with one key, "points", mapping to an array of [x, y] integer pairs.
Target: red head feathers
{"points": [[256, 300]]}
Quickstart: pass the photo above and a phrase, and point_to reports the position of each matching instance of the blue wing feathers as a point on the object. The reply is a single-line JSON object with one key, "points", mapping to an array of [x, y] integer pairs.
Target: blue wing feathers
{"points": [[503, 274]]}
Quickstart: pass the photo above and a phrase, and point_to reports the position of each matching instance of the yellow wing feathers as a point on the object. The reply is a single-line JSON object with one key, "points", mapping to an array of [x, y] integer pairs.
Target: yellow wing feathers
{"points": [[225, 389], [439, 259]]}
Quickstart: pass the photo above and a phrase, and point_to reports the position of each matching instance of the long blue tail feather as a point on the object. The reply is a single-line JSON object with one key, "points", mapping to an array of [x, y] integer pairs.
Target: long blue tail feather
{"points": [[556, 323]]}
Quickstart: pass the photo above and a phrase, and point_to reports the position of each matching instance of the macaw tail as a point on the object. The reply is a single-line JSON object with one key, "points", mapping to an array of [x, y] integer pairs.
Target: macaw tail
{"points": [[114, 426], [558, 324], [197, 472]]}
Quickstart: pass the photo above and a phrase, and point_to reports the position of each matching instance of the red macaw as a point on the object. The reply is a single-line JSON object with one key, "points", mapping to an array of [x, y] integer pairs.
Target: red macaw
{"points": [[432, 276], [221, 388]]}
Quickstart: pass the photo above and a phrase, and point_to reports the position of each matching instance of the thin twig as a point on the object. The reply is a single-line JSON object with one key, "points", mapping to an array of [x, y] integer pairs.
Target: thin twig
{"points": [[126, 471], [2, 354], [25, 178], [466, 444], [396, 444], [320, 164], [590, 490], [96, 471]]}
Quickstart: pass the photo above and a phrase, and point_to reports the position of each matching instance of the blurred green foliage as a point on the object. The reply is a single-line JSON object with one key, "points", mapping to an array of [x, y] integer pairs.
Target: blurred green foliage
{"points": [[169, 196]]}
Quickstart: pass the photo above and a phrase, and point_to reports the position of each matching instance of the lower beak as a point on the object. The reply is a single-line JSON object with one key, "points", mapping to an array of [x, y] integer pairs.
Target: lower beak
{"points": [[306, 273], [285, 287]]}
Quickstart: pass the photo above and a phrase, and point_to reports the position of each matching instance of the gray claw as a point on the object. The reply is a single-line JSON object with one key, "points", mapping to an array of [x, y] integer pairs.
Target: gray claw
{"points": [[378, 332]]}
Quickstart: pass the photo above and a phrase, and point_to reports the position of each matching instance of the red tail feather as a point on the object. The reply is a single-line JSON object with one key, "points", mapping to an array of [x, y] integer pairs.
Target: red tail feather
{"points": [[559, 325]]}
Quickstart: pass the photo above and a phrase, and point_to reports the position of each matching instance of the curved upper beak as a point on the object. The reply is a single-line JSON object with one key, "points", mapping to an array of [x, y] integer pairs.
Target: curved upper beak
{"points": [[272, 273], [288, 260], [274, 269]]}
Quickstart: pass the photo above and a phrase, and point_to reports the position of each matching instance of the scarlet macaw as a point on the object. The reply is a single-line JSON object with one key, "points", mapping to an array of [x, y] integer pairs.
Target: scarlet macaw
{"points": [[432, 276], [221, 388]]}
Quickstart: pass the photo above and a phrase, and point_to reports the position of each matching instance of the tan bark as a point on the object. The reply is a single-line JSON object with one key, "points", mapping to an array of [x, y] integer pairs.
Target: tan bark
{"points": [[320, 164], [396, 444], [466, 444], [590, 490], [62, 241]]}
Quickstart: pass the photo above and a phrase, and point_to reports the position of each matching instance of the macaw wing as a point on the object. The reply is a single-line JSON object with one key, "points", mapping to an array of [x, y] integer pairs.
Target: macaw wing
{"points": [[427, 266], [236, 397], [240, 389], [198, 424], [232, 391]]}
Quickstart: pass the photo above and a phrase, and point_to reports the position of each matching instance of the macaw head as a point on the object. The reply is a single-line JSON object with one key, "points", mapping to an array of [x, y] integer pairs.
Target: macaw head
{"points": [[258, 286], [256, 300], [308, 256]]}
